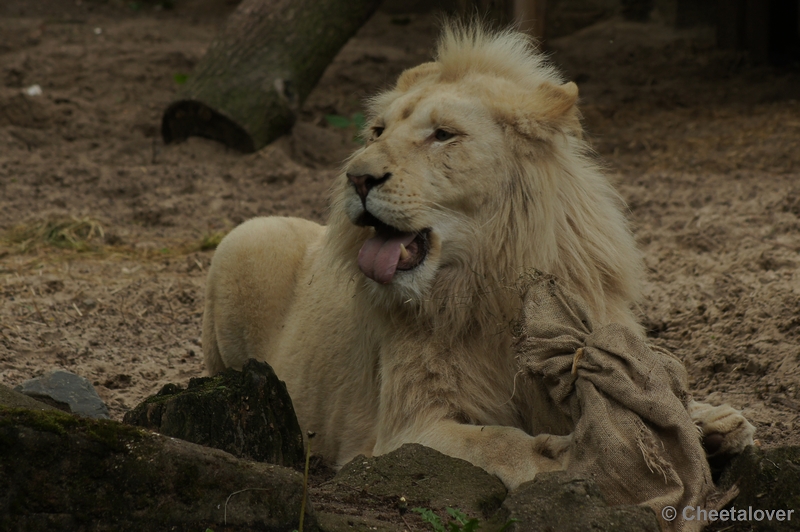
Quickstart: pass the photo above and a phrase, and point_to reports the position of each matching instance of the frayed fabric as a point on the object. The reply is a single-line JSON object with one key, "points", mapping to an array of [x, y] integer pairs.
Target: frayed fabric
{"points": [[625, 399]]}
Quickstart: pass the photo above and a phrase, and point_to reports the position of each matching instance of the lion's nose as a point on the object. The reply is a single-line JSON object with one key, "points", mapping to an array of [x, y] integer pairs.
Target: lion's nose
{"points": [[365, 183]]}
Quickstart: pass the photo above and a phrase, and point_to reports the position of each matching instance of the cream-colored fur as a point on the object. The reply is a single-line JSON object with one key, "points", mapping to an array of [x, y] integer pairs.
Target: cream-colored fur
{"points": [[427, 357]]}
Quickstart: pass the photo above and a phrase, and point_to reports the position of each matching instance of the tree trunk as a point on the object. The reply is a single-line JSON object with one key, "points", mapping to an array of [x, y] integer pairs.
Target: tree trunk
{"points": [[247, 413], [256, 74]]}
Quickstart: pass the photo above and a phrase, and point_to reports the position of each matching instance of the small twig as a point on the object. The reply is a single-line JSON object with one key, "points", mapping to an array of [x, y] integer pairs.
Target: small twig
{"points": [[402, 506], [305, 481], [113, 292], [169, 304], [36, 307], [80, 314], [225, 511], [514, 389], [578, 356]]}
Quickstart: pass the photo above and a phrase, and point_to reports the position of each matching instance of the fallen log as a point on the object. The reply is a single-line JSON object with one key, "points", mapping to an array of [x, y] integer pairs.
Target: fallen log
{"points": [[246, 90], [60, 472]]}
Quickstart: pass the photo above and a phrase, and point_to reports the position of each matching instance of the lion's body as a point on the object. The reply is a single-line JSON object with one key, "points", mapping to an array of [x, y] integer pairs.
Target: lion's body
{"points": [[477, 166]]}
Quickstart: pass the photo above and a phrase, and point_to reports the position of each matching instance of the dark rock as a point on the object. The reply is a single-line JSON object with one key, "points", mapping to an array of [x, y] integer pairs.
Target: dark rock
{"points": [[426, 478], [336, 522], [559, 501], [247, 413], [13, 399], [767, 481], [61, 472], [68, 392]]}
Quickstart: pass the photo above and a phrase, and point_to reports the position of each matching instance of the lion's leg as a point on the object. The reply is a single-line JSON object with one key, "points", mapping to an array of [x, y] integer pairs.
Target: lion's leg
{"points": [[250, 288], [725, 430], [511, 454], [211, 355]]}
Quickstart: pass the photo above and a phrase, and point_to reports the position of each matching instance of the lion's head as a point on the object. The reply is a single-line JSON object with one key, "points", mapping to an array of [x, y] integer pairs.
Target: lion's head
{"points": [[474, 170]]}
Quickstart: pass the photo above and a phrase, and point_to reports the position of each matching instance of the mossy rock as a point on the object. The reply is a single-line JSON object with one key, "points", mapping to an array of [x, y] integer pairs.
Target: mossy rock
{"points": [[562, 502], [768, 481], [425, 477], [247, 413], [13, 399], [335, 522], [60, 472]]}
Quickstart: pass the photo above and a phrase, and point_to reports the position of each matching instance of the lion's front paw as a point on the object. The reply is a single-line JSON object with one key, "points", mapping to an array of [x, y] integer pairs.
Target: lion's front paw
{"points": [[550, 453], [725, 430], [553, 447]]}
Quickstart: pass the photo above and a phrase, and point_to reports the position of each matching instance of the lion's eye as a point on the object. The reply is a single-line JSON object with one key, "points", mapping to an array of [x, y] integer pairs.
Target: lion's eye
{"points": [[441, 135], [377, 132]]}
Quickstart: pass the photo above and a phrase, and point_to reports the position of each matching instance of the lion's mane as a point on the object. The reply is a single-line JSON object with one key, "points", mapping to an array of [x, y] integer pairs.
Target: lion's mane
{"points": [[558, 214]]}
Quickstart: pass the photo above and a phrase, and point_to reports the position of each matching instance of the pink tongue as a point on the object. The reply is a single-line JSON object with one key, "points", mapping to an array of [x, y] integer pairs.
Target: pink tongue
{"points": [[379, 256]]}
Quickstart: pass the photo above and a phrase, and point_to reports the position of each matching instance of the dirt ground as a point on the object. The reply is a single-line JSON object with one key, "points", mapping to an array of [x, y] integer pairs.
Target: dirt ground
{"points": [[106, 233]]}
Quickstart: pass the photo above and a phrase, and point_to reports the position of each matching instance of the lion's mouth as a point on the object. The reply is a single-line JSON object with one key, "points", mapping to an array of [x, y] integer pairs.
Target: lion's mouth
{"points": [[390, 250]]}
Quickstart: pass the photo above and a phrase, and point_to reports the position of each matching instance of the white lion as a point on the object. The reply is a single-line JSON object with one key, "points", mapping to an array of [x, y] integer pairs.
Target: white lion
{"points": [[390, 325]]}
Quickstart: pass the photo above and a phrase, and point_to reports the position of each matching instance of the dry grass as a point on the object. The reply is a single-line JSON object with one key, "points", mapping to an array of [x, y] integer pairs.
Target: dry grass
{"points": [[86, 235], [58, 240], [211, 240], [78, 234]]}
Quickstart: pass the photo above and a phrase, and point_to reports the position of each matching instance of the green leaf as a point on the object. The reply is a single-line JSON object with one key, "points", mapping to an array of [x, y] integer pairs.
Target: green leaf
{"points": [[462, 522], [508, 524], [471, 526], [180, 79], [432, 518], [458, 515], [359, 121], [338, 121]]}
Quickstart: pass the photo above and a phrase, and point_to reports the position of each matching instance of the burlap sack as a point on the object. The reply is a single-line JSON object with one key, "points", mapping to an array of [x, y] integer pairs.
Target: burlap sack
{"points": [[625, 399]]}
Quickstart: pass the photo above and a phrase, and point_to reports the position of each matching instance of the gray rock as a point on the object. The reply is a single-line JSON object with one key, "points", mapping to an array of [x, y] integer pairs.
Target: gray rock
{"points": [[62, 472], [66, 391], [426, 478], [559, 501], [247, 413], [768, 480]]}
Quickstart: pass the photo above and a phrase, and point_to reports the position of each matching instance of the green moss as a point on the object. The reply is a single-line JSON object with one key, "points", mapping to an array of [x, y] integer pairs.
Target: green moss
{"points": [[53, 421], [197, 386], [112, 434], [212, 386]]}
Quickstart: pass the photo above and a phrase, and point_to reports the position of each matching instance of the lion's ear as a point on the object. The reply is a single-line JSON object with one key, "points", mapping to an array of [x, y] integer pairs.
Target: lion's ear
{"points": [[412, 76], [549, 109], [556, 101]]}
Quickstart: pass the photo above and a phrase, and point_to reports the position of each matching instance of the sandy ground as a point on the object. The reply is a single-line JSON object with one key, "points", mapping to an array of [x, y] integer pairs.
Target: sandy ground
{"points": [[105, 232]]}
